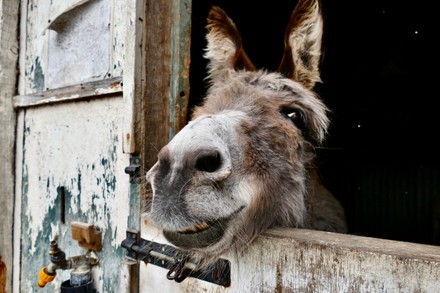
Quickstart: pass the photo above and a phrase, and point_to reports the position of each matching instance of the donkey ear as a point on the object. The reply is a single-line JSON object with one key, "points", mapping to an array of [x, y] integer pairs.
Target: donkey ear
{"points": [[224, 50], [303, 44]]}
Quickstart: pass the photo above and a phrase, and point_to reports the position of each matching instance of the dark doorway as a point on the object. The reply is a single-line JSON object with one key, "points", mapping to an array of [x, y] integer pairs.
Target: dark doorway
{"points": [[379, 72]]}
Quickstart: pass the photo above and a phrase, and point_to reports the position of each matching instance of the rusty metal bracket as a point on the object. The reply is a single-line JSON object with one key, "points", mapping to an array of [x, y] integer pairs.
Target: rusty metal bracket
{"points": [[177, 263]]}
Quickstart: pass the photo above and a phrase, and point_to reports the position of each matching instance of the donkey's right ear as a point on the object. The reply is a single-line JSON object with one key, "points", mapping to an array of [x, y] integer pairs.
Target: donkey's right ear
{"points": [[302, 44], [225, 49]]}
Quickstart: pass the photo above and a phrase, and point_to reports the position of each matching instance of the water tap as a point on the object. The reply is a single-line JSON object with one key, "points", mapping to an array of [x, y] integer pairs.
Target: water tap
{"points": [[80, 265]]}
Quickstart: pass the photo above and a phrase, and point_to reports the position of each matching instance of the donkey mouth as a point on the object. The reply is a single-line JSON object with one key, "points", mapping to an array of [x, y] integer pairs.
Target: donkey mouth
{"points": [[200, 235]]}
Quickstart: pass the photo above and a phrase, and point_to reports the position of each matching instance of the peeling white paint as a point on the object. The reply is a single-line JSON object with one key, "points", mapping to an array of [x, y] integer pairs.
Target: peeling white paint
{"points": [[128, 18], [76, 146], [17, 203], [76, 49], [79, 48], [103, 91], [90, 90], [35, 16], [57, 99], [60, 8], [67, 142]]}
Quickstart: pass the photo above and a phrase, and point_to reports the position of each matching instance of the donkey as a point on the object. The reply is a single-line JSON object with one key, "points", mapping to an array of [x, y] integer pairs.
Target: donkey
{"points": [[244, 163]]}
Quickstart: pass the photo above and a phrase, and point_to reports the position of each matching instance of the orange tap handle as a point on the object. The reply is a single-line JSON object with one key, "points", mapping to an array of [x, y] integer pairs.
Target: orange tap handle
{"points": [[45, 278]]}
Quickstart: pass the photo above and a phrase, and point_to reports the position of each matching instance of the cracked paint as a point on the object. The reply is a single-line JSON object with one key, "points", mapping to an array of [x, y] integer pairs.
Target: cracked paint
{"points": [[77, 148]]}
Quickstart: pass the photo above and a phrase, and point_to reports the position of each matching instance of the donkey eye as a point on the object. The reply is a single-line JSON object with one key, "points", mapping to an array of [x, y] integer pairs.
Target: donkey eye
{"points": [[295, 115], [209, 163]]}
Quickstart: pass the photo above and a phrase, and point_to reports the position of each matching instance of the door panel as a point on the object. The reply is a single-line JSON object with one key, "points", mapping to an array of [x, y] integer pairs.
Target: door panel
{"points": [[75, 135], [72, 152]]}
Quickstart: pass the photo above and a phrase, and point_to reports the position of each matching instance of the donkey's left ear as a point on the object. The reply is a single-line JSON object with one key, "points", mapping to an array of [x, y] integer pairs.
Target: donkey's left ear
{"points": [[303, 44], [224, 50]]}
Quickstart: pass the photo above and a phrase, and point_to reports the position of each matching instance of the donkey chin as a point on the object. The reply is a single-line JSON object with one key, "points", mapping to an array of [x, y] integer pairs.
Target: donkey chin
{"points": [[209, 237]]}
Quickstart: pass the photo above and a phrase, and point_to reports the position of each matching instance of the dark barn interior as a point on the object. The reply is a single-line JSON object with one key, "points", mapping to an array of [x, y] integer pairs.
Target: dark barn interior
{"points": [[380, 73]]}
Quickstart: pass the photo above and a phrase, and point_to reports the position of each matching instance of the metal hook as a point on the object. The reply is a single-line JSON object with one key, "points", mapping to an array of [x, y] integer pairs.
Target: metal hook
{"points": [[178, 272]]}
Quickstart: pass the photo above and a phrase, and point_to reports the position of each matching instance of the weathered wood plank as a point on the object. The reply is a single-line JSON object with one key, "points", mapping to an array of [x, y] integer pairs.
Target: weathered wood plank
{"points": [[129, 17], [165, 97], [398, 249], [180, 63], [296, 260], [94, 89], [156, 97], [18, 200], [300, 260], [166, 47], [9, 11]]}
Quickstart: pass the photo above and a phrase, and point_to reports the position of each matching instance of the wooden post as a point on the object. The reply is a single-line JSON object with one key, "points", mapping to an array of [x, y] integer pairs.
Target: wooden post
{"points": [[8, 60]]}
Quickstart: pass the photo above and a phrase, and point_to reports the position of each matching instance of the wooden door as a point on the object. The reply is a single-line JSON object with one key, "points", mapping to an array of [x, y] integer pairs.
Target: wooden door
{"points": [[74, 135]]}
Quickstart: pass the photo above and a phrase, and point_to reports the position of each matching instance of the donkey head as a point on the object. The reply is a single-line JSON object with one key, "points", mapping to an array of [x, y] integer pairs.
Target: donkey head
{"points": [[241, 165]]}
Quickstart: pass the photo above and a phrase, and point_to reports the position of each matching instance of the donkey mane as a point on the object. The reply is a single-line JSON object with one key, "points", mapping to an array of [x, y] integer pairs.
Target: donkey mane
{"points": [[245, 161]]}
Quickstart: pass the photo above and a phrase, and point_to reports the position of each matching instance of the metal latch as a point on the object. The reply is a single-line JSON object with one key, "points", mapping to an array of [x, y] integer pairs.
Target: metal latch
{"points": [[179, 265], [133, 169]]}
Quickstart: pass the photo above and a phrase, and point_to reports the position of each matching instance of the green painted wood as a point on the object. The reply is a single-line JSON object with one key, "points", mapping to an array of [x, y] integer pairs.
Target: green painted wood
{"points": [[73, 152], [180, 64]]}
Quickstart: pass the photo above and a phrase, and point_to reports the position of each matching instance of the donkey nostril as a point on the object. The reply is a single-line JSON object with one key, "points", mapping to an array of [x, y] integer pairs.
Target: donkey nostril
{"points": [[209, 163]]}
